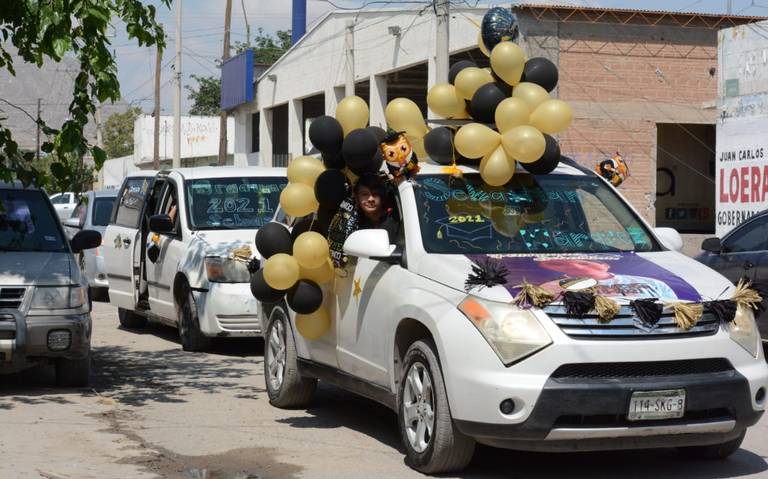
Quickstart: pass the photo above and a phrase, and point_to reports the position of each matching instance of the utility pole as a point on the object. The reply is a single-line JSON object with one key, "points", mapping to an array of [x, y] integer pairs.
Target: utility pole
{"points": [[177, 93], [349, 47], [37, 154], [247, 25], [441, 50], [223, 113], [156, 136], [99, 135]]}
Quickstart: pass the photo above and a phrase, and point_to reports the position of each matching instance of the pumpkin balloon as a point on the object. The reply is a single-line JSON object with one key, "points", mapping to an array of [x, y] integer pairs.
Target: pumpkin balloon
{"points": [[531, 93], [474, 140], [403, 114], [352, 112], [510, 113], [298, 199], [470, 79], [305, 169], [320, 275], [524, 143], [496, 168], [281, 271], [311, 250], [552, 116], [444, 100], [314, 325], [508, 62]]}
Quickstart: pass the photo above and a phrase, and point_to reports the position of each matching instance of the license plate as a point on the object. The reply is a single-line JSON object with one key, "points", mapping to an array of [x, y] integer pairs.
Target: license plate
{"points": [[646, 405]]}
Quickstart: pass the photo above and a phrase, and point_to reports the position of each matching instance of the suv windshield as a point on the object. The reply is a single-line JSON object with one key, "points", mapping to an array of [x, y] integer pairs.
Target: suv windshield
{"points": [[232, 203], [530, 214], [27, 223]]}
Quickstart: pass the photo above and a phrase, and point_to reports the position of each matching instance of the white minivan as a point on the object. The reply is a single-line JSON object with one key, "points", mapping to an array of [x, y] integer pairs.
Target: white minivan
{"points": [[462, 364], [170, 249]]}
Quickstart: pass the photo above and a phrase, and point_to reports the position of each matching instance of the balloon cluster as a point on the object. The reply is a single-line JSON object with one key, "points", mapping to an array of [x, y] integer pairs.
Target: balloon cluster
{"points": [[510, 103]]}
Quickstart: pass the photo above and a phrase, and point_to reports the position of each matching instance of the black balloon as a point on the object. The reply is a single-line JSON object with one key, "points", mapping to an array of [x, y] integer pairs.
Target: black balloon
{"points": [[326, 134], [499, 24], [153, 252], [484, 102], [323, 220], [333, 161], [457, 67], [308, 223], [439, 145], [548, 161], [262, 291], [542, 72], [359, 151], [273, 238], [331, 188], [379, 132], [305, 297]]}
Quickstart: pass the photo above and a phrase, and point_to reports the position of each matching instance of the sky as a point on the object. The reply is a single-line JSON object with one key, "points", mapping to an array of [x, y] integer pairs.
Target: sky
{"points": [[203, 30]]}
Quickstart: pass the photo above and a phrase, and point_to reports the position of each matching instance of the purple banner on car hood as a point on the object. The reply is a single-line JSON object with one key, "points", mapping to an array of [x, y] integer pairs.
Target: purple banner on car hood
{"points": [[618, 275]]}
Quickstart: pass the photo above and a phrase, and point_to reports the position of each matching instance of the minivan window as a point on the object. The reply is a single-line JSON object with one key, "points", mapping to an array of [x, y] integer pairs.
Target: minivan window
{"points": [[530, 214], [232, 203], [132, 201], [27, 223], [102, 209]]}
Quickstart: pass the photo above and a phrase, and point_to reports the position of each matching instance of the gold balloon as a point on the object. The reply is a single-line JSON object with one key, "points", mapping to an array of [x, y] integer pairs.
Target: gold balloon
{"points": [[496, 168], [310, 249], [417, 143], [352, 112], [320, 275], [531, 93], [470, 79], [552, 116], [403, 114], [474, 140], [298, 199], [314, 325], [511, 112], [281, 271], [524, 143], [481, 44], [508, 62], [444, 100], [305, 169]]}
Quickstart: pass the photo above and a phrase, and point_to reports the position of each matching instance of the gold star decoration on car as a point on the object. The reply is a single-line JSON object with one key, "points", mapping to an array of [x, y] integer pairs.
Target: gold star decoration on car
{"points": [[358, 289]]}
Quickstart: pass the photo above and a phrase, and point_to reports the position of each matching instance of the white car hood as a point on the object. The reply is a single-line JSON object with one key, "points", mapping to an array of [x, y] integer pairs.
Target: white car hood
{"points": [[222, 242], [685, 275], [37, 268]]}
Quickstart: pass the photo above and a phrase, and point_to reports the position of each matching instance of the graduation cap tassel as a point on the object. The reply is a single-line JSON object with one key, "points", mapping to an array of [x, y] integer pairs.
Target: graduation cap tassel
{"points": [[487, 273], [578, 303], [648, 310], [723, 309], [532, 295], [686, 314], [746, 296], [606, 308]]}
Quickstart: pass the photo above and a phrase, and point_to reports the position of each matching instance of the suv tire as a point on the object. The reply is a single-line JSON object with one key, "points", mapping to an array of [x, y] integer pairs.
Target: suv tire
{"points": [[73, 372], [285, 385], [130, 320], [192, 339], [423, 405], [714, 451]]}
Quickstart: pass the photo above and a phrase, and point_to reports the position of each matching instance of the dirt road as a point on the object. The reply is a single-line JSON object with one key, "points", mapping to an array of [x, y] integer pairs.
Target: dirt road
{"points": [[154, 411]]}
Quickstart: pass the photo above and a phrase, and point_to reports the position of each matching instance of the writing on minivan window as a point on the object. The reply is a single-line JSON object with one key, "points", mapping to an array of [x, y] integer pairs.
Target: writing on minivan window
{"points": [[233, 203], [531, 214]]}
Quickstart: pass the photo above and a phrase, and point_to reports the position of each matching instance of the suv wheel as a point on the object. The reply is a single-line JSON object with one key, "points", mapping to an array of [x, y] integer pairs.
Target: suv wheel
{"points": [[73, 372], [130, 320], [285, 386], [432, 442], [192, 339], [714, 451]]}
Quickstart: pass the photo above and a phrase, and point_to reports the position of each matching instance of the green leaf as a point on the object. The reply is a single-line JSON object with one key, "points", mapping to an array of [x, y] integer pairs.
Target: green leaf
{"points": [[99, 156], [61, 46]]}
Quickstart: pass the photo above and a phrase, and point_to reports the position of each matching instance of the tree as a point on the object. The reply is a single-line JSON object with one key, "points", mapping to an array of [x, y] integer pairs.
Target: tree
{"points": [[49, 30], [118, 132], [205, 98]]}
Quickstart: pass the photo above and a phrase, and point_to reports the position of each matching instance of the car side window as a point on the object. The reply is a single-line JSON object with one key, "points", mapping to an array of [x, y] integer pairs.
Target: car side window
{"points": [[59, 199], [751, 237], [79, 212], [170, 205], [131, 202]]}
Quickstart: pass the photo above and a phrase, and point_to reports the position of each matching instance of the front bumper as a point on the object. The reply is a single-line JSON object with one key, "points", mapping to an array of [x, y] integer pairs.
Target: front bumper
{"points": [[228, 310]]}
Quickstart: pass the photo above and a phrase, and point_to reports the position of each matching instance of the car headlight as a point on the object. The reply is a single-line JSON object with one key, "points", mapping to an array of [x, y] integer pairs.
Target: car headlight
{"points": [[743, 330], [59, 297], [225, 270], [512, 333]]}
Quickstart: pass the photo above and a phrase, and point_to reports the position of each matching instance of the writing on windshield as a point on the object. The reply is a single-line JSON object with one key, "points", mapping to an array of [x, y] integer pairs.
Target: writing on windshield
{"points": [[233, 203]]}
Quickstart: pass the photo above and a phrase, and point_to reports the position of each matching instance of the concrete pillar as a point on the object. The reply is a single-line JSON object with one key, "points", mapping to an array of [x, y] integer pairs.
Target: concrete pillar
{"points": [[242, 141], [333, 96], [378, 100], [295, 128], [265, 137]]}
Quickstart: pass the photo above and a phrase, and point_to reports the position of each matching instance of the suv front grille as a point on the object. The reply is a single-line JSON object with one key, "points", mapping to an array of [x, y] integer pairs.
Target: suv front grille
{"points": [[626, 325], [633, 370], [11, 298]]}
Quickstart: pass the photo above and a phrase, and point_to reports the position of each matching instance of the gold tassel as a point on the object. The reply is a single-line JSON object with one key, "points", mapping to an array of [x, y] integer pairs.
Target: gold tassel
{"points": [[606, 308], [532, 295], [686, 314], [242, 253], [746, 296]]}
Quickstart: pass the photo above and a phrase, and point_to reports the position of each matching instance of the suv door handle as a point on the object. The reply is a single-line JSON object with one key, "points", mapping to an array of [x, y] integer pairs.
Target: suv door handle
{"points": [[127, 242]]}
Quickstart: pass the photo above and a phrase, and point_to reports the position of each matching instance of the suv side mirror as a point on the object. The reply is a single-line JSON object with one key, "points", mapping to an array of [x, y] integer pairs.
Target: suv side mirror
{"points": [[670, 238], [160, 224], [371, 243], [712, 245], [73, 223], [85, 239]]}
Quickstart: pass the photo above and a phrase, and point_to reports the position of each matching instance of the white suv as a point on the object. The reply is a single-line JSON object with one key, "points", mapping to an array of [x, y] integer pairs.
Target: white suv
{"points": [[460, 363], [170, 244]]}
